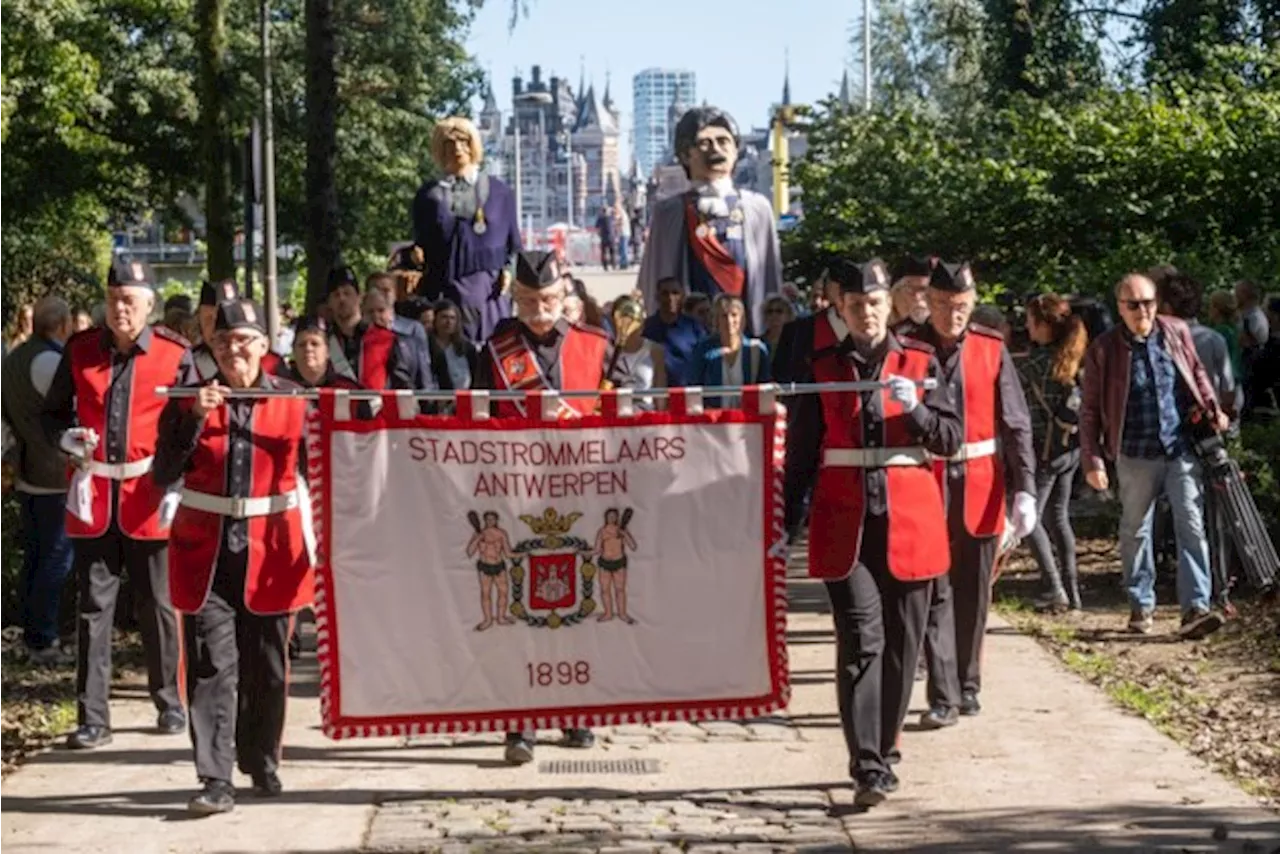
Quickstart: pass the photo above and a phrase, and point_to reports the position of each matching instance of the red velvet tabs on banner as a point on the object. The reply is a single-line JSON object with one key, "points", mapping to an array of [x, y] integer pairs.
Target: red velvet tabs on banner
{"points": [[685, 401], [618, 403], [472, 406]]}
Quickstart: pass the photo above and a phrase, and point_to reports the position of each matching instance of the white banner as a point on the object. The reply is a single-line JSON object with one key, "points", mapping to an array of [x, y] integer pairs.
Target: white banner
{"points": [[485, 575]]}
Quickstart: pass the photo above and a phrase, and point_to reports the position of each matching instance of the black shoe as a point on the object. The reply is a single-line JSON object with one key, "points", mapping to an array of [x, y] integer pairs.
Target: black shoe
{"points": [[89, 737], [579, 739], [267, 785], [940, 716], [171, 722], [295, 646], [519, 751], [969, 705], [893, 757], [1200, 623], [872, 788], [218, 796], [890, 781]]}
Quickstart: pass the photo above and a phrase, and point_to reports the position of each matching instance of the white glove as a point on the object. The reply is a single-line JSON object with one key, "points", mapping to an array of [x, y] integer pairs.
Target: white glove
{"points": [[1024, 514], [782, 548], [903, 391], [169, 507], [79, 442]]}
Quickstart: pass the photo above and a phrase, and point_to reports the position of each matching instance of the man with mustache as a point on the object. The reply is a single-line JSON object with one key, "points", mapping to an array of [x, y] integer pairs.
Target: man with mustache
{"points": [[540, 349], [716, 238]]}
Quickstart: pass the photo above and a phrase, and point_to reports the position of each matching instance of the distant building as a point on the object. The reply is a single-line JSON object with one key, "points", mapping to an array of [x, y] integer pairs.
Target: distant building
{"points": [[555, 134], [654, 90]]}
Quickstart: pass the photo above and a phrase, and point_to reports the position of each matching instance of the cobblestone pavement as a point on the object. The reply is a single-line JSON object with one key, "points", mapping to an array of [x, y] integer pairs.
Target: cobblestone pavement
{"points": [[771, 729], [703, 822]]}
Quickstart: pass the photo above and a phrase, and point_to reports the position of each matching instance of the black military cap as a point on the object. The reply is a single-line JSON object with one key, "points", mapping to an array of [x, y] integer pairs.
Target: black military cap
{"points": [[535, 269], [239, 314], [341, 277], [181, 302], [952, 278], [212, 293], [310, 323], [914, 265], [125, 271], [855, 278]]}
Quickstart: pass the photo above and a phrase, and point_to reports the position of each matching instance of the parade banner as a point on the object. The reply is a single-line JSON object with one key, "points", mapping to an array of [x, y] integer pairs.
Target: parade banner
{"points": [[486, 574]]}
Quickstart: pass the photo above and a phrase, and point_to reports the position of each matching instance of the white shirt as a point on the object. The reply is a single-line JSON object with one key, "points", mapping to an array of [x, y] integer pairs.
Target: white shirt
{"points": [[732, 376]]}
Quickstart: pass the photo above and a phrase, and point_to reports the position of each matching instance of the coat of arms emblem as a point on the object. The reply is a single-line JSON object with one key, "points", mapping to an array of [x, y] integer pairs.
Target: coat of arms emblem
{"points": [[549, 580]]}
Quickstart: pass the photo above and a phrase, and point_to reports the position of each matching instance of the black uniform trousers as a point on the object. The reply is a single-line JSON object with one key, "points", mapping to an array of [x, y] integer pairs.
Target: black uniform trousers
{"points": [[955, 654], [879, 622], [237, 678], [99, 564]]}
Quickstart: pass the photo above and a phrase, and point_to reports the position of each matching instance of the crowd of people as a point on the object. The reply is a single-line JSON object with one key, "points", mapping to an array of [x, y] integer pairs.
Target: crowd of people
{"points": [[963, 443]]}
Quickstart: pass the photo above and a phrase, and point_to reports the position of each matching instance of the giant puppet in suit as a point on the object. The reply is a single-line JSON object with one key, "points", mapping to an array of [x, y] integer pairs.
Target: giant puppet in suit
{"points": [[715, 238]]}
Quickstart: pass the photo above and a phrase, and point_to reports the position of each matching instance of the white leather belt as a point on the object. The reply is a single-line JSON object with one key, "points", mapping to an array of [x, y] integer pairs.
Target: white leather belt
{"points": [[121, 471], [973, 451], [239, 508], [868, 458]]}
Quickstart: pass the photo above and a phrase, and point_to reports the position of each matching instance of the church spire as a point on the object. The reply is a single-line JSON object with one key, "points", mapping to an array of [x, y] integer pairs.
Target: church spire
{"points": [[845, 96], [608, 99], [786, 78]]}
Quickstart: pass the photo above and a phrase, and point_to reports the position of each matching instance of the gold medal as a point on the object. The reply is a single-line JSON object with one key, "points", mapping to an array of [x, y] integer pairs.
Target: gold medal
{"points": [[702, 231], [733, 232], [480, 227], [736, 215]]}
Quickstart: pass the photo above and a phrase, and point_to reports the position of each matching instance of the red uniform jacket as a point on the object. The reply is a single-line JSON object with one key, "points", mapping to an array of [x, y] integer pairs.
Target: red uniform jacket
{"points": [[918, 544], [980, 356], [279, 577], [90, 364], [513, 366]]}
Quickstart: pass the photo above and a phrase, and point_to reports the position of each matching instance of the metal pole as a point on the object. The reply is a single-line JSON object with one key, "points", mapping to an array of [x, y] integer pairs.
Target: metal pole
{"points": [[866, 53], [519, 184], [250, 202], [568, 139], [544, 168], [784, 390], [269, 280]]}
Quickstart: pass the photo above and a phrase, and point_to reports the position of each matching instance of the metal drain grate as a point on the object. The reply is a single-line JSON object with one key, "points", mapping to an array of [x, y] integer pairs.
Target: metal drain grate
{"points": [[600, 766]]}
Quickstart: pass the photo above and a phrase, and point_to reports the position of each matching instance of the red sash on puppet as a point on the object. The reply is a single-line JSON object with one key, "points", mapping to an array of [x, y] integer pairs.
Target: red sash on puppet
{"points": [[711, 253], [515, 367]]}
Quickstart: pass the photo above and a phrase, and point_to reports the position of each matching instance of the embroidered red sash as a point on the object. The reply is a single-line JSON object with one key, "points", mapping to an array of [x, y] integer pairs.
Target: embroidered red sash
{"points": [[715, 259], [517, 369]]}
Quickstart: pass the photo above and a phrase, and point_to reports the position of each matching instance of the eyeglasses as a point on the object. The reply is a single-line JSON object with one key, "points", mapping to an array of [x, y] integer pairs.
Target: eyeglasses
{"points": [[1139, 304]]}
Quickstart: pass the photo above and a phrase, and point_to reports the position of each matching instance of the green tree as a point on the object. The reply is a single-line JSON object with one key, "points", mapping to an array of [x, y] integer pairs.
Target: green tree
{"points": [[215, 138], [1039, 48]]}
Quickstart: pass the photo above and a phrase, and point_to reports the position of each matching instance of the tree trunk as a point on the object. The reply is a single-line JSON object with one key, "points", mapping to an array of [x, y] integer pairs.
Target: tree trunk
{"points": [[211, 35], [323, 251]]}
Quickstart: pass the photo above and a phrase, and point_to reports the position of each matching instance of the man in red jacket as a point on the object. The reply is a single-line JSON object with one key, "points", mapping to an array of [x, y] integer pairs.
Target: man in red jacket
{"points": [[102, 410], [240, 563], [877, 527], [1140, 378]]}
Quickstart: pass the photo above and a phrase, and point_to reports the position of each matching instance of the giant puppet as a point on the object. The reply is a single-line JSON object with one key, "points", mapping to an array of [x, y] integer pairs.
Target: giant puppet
{"points": [[466, 225], [715, 238]]}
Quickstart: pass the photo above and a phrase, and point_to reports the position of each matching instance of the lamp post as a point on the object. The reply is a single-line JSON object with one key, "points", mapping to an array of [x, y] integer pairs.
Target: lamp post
{"points": [[270, 288]]}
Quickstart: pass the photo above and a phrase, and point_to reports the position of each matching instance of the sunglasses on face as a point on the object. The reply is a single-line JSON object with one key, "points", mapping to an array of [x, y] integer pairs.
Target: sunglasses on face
{"points": [[1139, 304]]}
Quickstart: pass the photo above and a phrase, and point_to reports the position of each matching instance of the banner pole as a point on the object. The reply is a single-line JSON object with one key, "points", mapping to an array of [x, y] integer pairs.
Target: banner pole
{"points": [[782, 390]]}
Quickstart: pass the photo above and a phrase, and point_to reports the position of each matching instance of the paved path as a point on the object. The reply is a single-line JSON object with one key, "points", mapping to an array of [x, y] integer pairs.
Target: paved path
{"points": [[1050, 765]]}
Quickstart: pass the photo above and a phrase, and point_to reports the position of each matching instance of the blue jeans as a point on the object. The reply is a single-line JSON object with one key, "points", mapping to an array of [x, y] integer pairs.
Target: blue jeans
{"points": [[1140, 483], [46, 563]]}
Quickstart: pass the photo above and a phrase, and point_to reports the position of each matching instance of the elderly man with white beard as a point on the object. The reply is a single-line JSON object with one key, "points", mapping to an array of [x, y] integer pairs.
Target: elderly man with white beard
{"points": [[540, 349]]}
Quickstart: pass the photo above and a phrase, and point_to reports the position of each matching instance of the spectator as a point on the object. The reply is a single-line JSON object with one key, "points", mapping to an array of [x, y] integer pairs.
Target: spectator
{"points": [[674, 332], [1181, 296], [1254, 330], [729, 358], [608, 237], [698, 306], [452, 354], [624, 236], [41, 472], [1266, 369], [81, 321], [1224, 319], [1050, 376], [573, 307], [778, 312], [22, 326], [1139, 379]]}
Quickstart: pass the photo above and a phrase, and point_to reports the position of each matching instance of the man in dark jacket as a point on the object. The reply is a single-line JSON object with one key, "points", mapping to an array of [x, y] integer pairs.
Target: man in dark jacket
{"points": [[1139, 379], [40, 470]]}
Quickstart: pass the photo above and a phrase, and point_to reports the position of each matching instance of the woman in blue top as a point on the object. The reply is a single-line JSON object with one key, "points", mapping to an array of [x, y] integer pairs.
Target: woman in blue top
{"points": [[729, 358]]}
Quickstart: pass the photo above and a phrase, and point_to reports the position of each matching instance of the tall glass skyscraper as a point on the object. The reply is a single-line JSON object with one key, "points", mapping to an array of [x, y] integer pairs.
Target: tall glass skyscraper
{"points": [[654, 92]]}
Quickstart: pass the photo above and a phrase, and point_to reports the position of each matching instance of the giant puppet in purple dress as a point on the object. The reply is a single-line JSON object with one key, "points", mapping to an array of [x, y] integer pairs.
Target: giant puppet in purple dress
{"points": [[466, 225]]}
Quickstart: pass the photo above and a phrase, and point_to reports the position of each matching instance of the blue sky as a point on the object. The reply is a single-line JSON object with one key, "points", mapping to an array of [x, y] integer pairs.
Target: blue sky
{"points": [[736, 49]]}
